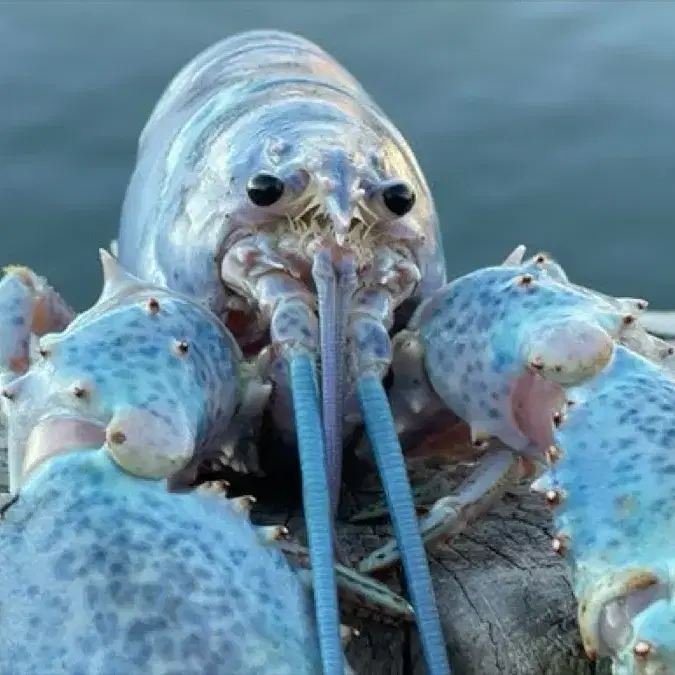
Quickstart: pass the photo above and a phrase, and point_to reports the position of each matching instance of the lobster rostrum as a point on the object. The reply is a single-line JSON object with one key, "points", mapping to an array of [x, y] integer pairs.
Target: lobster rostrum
{"points": [[270, 187], [568, 379], [106, 427]]}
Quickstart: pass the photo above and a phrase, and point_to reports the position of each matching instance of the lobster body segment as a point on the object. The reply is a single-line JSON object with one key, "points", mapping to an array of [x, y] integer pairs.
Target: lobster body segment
{"points": [[274, 106]]}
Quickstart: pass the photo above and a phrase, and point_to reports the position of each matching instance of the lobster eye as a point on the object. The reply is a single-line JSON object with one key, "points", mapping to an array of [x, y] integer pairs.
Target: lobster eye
{"points": [[265, 189], [399, 198]]}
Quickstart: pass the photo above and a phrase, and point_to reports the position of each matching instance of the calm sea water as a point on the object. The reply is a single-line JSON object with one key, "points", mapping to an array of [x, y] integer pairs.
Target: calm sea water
{"points": [[549, 124]]}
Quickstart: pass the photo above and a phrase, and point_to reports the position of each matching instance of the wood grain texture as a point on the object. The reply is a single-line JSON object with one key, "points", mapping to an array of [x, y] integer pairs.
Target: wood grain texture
{"points": [[504, 596]]}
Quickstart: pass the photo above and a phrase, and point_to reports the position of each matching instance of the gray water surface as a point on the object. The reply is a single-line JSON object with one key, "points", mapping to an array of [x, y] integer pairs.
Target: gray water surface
{"points": [[549, 124]]}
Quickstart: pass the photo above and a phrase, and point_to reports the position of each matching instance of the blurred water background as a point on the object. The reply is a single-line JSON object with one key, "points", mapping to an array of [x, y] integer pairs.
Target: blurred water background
{"points": [[545, 123]]}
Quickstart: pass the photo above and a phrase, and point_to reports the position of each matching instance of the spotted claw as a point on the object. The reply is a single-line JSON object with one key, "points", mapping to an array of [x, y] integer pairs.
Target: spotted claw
{"points": [[570, 377], [106, 539], [153, 368], [140, 386]]}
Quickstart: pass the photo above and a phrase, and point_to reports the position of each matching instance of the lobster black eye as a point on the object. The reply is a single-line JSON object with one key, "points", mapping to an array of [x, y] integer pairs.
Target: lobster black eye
{"points": [[399, 198], [265, 189]]}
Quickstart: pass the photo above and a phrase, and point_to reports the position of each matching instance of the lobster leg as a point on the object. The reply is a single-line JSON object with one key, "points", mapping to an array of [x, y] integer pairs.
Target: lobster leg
{"points": [[359, 594], [28, 306], [449, 516]]}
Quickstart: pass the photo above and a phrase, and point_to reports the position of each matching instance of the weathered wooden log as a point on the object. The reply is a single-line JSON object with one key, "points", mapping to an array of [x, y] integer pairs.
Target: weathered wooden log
{"points": [[505, 598]]}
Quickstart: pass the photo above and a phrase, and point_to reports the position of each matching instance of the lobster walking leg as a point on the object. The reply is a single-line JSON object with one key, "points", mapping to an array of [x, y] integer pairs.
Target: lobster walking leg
{"points": [[449, 516], [28, 306]]}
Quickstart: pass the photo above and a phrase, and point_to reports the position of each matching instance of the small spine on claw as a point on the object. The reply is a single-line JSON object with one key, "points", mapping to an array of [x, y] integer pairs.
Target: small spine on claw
{"points": [[572, 374], [82, 390], [554, 497], [214, 488], [347, 634], [480, 439], [152, 306], [268, 534], [180, 348], [553, 454], [561, 543], [243, 504], [543, 484]]}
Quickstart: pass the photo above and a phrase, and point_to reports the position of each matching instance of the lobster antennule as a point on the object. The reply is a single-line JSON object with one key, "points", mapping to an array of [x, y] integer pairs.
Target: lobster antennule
{"points": [[389, 457], [371, 356], [317, 507]]}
